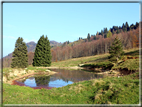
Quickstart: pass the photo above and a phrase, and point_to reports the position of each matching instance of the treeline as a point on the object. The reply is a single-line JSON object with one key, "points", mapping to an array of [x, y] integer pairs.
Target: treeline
{"points": [[129, 39], [115, 30]]}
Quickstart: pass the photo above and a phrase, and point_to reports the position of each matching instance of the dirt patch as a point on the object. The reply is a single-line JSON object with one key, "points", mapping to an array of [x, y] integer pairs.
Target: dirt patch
{"points": [[125, 71]]}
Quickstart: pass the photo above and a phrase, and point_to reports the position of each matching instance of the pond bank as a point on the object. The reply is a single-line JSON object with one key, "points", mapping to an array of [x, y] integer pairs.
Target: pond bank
{"points": [[74, 67], [20, 73]]}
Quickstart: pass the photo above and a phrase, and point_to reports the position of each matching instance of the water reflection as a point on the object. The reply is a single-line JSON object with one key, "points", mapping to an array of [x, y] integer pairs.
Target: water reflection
{"points": [[61, 78], [73, 75]]}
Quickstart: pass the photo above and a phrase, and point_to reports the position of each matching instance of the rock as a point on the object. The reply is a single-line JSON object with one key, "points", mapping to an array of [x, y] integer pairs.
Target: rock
{"points": [[10, 74], [48, 70], [98, 69], [80, 65], [24, 71], [118, 76], [4, 78], [15, 74]]}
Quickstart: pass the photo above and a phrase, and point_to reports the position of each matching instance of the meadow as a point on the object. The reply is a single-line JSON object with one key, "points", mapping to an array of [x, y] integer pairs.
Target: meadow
{"points": [[108, 90]]}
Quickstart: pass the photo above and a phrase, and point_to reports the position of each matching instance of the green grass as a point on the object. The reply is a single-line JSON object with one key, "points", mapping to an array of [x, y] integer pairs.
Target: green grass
{"points": [[76, 61], [130, 64], [103, 62], [96, 59], [110, 90], [36, 68]]}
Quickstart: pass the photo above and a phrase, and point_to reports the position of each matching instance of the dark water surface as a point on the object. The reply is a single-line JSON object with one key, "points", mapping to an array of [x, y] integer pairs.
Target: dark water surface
{"points": [[62, 78]]}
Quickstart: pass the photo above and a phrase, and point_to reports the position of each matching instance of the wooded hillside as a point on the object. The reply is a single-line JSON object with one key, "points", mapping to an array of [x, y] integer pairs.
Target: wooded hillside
{"points": [[92, 45]]}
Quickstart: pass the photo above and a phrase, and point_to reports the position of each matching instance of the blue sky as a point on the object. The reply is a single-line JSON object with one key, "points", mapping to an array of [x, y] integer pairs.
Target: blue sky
{"points": [[62, 21]]}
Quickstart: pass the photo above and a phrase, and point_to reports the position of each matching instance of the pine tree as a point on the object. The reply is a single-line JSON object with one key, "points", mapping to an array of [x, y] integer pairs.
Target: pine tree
{"points": [[88, 37], [124, 27], [102, 32], [20, 56], [116, 50], [137, 24], [131, 26], [95, 37], [127, 26], [42, 56], [117, 31]]}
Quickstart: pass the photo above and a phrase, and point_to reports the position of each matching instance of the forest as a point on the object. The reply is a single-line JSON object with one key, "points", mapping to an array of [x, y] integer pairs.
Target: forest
{"points": [[92, 45], [98, 44]]}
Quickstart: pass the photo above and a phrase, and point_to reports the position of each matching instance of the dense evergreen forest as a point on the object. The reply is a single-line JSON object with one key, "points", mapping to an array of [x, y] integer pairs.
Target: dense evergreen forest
{"points": [[92, 45]]}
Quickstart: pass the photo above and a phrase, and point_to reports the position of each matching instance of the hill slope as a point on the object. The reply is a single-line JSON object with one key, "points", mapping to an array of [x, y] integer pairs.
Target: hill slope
{"points": [[31, 48]]}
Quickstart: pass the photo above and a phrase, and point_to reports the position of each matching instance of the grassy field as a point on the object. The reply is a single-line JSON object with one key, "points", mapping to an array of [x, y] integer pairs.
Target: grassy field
{"points": [[109, 90], [102, 61]]}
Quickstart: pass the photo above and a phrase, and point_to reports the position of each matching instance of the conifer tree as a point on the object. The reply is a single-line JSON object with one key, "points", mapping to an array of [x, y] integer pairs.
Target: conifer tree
{"points": [[116, 50], [95, 37], [42, 56], [124, 27], [127, 26], [137, 24], [20, 56], [88, 36], [117, 31]]}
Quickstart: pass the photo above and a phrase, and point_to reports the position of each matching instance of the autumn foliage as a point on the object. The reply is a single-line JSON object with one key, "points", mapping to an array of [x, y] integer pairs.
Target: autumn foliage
{"points": [[99, 45], [94, 47]]}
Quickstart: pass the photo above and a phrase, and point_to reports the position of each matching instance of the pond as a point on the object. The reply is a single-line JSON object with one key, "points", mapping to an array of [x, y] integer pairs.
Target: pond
{"points": [[62, 78]]}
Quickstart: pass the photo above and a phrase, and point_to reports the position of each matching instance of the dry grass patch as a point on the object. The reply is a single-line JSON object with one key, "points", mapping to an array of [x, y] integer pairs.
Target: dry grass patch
{"points": [[96, 81], [98, 96], [77, 88]]}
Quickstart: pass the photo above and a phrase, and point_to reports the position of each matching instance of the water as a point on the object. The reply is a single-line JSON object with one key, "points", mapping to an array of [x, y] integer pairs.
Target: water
{"points": [[61, 78]]}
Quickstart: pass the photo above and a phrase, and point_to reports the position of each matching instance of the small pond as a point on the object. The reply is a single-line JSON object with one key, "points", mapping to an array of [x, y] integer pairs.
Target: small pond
{"points": [[62, 78]]}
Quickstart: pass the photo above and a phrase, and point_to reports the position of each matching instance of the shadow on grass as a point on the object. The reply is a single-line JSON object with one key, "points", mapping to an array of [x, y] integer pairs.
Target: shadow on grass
{"points": [[99, 59], [133, 53]]}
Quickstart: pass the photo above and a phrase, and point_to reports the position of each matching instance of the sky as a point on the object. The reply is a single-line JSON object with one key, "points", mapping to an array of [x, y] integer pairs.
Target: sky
{"points": [[62, 21]]}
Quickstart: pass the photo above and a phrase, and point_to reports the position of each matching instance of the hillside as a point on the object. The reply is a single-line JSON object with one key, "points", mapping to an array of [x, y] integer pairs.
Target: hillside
{"points": [[92, 45], [31, 48]]}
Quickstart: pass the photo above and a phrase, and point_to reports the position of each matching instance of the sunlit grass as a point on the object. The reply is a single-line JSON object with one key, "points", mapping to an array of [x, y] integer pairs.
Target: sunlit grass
{"points": [[110, 90]]}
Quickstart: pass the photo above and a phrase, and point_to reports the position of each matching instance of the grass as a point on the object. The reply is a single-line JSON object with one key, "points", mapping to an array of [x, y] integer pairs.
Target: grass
{"points": [[96, 59], [76, 61], [130, 64], [111, 90], [36, 68]]}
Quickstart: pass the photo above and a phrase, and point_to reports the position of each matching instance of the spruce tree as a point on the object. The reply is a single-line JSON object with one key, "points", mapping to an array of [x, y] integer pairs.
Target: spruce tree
{"points": [[42, 56], [88, 36], [20, 57], [116, 50], [124, 27], [118, 31]]}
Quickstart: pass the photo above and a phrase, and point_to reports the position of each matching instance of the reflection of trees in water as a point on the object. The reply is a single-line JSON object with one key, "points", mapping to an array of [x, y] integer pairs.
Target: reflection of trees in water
{"points": [[74, 75], [42, 80]]}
